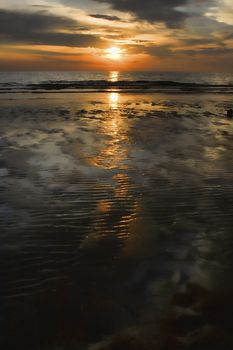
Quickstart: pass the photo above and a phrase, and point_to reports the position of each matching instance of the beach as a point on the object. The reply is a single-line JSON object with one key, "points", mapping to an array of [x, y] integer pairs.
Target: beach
{"points": [[116, 219]]}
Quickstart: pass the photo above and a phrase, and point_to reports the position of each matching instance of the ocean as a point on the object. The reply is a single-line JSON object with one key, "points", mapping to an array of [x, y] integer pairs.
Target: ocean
{"points": [[116, 212], [20, 80]]}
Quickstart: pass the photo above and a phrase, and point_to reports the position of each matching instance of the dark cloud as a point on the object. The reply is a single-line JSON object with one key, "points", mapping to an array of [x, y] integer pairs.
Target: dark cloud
{"points": [[153, 50], [207, 51], [107, 17], [203, 41], [46, 53], [228, 35], [42, 6], [215, 51], [36, 22], [43, 29], [159, 51], [198, 41], [152, 10]]}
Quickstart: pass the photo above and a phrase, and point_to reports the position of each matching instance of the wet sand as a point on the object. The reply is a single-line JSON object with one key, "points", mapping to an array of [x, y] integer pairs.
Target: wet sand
{"points": [[116, 221]]}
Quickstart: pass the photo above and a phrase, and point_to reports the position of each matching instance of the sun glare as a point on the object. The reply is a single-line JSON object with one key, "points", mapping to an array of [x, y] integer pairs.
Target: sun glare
{"points": [[115, 53], [113, 76], [113, 99]]}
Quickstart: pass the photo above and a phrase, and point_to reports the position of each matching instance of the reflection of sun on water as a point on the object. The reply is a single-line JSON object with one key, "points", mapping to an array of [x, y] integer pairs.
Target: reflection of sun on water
{"points": [[117, 210], [113, 76], [113, 152], [115, 118], [113, 100]]}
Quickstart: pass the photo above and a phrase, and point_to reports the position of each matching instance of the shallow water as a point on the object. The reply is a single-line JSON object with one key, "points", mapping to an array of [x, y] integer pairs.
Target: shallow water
{"points": [[116, 221]]}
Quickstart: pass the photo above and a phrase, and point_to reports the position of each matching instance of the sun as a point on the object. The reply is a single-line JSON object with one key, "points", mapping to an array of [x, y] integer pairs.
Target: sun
{"points": [[114, 53]]}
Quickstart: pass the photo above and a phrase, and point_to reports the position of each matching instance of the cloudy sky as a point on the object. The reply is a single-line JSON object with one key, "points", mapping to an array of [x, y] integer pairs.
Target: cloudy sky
{"points": [[161, 35]]}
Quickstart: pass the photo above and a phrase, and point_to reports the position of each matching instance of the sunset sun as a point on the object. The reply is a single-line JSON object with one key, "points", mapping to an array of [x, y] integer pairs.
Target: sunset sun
{"points": [[114, 53]]}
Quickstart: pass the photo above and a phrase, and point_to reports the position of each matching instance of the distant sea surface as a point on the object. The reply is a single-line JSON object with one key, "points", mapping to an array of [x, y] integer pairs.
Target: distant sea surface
{"points": [[59, 80]]}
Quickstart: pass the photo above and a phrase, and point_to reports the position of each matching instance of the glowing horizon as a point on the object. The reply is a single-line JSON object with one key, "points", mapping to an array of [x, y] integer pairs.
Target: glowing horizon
{"points": [[116, 36]]}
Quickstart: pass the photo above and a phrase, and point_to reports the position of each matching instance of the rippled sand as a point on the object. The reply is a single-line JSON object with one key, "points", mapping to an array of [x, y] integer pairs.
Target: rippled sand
{"points": [[116, 221]]}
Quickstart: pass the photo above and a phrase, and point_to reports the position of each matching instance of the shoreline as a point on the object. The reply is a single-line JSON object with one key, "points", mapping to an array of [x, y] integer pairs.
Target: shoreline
{"points": [[139, 90]]}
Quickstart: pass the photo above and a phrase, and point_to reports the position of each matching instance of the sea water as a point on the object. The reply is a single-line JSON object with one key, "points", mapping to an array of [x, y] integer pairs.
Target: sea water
{"points": [[36, 77], [115, 219]]}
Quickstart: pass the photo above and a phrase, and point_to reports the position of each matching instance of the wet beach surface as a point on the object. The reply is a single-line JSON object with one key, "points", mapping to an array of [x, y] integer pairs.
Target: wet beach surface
{"points": [[116, 221]]}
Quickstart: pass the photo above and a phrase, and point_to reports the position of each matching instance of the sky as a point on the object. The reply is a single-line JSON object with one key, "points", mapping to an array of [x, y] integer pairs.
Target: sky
{"points": [[125, 35]]}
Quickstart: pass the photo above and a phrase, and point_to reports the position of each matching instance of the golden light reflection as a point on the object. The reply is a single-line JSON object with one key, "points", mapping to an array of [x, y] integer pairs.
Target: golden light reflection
{"points": [[114, 152], [122, 189], [113, 100], [213, 153], [116, 213], [113, 76], [104, 206]]}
